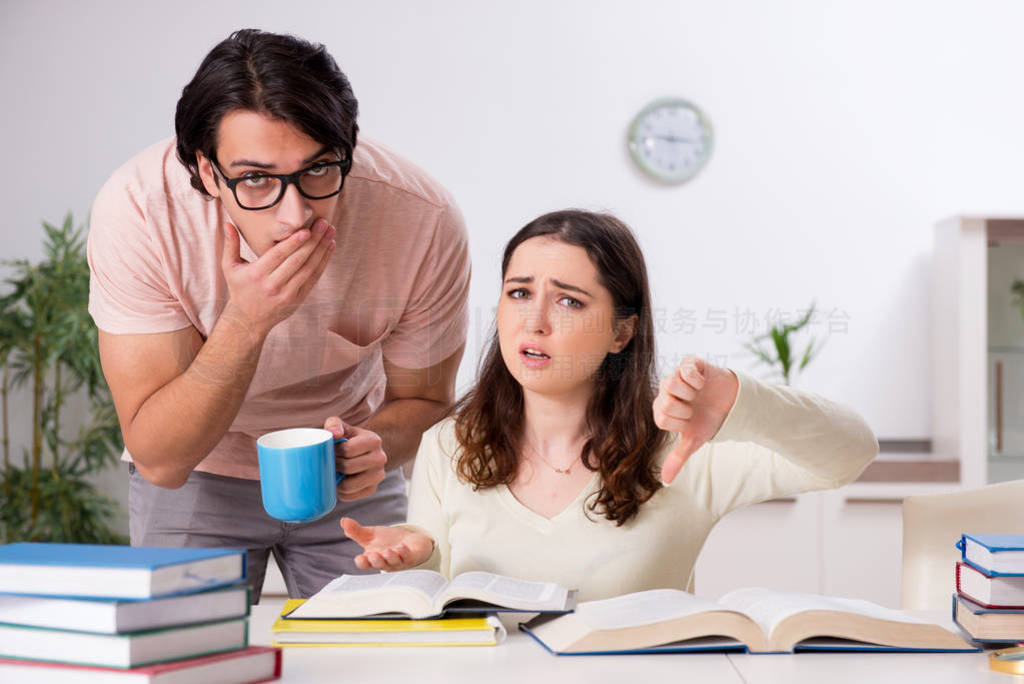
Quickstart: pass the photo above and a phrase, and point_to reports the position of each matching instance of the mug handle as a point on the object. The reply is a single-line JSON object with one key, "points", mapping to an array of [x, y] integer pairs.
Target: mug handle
{"points": [[338, 477]]}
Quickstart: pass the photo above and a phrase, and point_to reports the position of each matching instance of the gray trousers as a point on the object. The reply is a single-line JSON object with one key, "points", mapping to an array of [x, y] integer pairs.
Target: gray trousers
{"points": [[217, 511]]}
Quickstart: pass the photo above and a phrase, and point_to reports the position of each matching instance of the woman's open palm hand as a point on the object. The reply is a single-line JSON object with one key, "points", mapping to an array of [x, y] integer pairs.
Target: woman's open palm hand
{"points": [[388, 548]]}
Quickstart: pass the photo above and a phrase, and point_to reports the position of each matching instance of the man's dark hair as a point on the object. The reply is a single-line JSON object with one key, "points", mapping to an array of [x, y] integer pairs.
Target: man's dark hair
{"points": [[282, 76]]}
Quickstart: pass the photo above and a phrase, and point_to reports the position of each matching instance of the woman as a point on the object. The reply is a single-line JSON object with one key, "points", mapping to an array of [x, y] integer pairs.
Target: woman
{"points": [[549, 468]]}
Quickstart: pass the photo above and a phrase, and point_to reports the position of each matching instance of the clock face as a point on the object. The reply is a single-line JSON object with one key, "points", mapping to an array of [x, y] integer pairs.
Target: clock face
{"points": [[670, 140]]}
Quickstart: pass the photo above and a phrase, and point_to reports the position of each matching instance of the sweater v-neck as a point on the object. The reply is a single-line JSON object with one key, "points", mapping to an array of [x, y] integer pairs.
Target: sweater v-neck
{"points": [[535, 519]]}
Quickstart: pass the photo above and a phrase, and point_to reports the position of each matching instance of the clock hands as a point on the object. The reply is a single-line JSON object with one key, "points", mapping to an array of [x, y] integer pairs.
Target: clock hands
{"points": [[672, 138]]}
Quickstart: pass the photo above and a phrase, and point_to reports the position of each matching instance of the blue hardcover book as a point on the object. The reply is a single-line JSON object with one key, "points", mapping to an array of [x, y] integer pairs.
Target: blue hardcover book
{"points": [[994, 554], [109, 571], [755, 620], [123, 650], [124, 616], [988, 625]]}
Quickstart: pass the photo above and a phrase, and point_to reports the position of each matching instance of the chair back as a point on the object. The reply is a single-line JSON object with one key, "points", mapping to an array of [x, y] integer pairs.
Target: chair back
{"points": [[933, 523]]}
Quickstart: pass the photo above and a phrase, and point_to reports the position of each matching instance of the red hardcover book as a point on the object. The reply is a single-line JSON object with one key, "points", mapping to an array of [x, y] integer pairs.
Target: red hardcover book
{"points": [[245, 666], [989, 591]]}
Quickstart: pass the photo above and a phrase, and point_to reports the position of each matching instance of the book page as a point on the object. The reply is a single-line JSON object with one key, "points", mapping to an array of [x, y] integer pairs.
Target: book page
{"points": [[641, 608], [424, 581], [506, 591], [769, 607], [411, 592]]}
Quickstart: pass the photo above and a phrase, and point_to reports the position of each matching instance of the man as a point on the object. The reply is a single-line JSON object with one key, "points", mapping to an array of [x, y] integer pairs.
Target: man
{"points": [[263, 271]]}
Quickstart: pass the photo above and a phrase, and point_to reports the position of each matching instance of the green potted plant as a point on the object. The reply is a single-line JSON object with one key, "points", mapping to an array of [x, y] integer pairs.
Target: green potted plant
{"points": [[777, 350], [49, 349], [1017, 290]]}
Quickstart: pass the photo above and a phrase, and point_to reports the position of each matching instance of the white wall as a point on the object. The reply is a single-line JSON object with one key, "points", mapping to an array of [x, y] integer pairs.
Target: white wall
{"points": [[843, 131]]}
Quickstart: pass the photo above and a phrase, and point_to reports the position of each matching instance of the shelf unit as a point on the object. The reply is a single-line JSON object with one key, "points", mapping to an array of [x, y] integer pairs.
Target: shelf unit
{"points": [[978, 348]]}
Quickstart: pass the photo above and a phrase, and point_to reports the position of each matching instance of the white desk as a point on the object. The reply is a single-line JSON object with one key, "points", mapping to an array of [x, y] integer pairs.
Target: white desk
{"points": [[869, 668], [520, 660]]}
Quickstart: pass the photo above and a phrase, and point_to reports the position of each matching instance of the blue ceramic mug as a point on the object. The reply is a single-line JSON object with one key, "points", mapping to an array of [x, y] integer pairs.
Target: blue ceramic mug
{"points": [[298, 475]]}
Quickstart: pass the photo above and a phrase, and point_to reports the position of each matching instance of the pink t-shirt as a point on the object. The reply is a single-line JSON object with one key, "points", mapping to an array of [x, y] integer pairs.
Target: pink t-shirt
{"points": [[396, 288]]}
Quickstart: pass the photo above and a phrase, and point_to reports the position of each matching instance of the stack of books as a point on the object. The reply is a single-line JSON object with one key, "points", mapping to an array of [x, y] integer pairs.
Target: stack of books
{"points": [[989, 599], [414, 608], [83, 612]]}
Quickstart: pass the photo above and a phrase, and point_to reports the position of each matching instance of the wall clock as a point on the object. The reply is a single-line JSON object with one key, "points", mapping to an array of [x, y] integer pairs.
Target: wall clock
{"points": [[670, 139]]}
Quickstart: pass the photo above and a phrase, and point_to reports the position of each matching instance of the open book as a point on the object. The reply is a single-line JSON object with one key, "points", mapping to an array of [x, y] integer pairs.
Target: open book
{"points": [[755, 620], [425, 593]]}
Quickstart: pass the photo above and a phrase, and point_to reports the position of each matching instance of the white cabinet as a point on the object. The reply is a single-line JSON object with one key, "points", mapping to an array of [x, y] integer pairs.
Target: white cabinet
{"points": [[775, 544], [843, 542], [978, 348], [861, 546]]}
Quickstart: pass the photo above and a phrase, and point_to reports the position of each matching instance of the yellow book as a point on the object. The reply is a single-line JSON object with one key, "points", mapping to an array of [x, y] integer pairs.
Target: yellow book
{"points": [[463, 631]]}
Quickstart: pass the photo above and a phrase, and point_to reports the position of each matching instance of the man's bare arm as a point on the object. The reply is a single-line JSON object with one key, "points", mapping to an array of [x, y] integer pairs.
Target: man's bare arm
{"points": [[415, 399], [175, 394]]}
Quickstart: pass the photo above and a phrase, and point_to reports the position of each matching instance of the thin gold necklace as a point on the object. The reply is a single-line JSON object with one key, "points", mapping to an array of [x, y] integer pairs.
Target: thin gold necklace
{"points": [[560, 471]]}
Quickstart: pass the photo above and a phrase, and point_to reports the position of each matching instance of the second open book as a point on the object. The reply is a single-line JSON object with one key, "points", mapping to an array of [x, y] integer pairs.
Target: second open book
{"points": [[424, 594], [758, 620]]}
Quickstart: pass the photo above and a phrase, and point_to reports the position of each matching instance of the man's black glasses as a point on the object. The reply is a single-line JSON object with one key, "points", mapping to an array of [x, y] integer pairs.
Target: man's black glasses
{"points": [[259, 190]]}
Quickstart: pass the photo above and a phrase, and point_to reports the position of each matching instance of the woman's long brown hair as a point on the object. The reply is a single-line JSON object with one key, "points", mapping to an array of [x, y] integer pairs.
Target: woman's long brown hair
{"points": [[623, 439]]}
